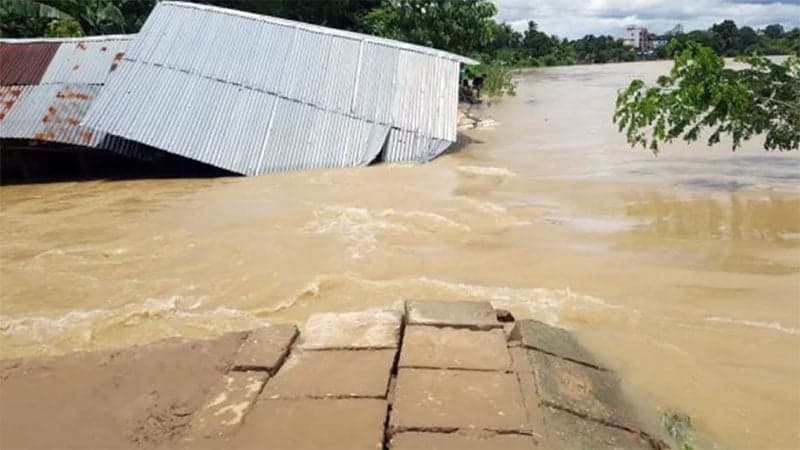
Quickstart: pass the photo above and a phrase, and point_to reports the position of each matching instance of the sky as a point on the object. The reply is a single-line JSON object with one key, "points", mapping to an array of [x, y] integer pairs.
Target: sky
{"points": [[576, 18]]}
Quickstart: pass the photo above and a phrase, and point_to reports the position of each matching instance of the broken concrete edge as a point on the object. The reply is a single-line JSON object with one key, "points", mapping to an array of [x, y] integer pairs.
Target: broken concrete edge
{"points": [[280, 360], [472, 315], [236, 396], [376, 328], [554, 341], [656, 443], [582, 363], [529, 391]]}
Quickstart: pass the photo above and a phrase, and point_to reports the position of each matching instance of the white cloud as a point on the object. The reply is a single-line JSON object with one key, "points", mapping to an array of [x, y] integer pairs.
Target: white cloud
{"points": [[576, 18]]}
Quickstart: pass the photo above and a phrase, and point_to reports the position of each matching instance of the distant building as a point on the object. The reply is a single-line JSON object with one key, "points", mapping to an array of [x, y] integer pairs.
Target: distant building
{"points": [[658, 41], [636, 37]]}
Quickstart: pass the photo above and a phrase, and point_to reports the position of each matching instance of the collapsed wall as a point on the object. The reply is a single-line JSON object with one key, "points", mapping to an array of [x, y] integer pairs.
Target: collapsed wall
{"points": [[254, 94]]}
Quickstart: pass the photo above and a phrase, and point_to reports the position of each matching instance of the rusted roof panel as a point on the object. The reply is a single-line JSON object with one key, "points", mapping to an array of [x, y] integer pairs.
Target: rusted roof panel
{"points": [[46, 98], [53, 112], [86, 61], [255, 94], [24, 63]]}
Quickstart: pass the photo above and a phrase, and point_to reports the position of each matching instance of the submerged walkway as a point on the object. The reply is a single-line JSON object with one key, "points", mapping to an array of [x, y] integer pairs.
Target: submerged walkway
{"points": [[422, 375]]}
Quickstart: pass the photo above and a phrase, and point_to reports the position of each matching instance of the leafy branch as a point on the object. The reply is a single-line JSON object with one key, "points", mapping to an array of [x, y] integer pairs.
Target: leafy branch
{"points": [[701, 95]]}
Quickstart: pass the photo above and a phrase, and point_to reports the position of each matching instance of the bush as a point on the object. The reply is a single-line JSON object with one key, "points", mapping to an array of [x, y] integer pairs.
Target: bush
{"points": [[497, 81]]}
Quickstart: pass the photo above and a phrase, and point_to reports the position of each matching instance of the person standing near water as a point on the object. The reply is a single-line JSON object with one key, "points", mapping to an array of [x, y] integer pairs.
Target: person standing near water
{"points": [[465, 93], [477, 84]]}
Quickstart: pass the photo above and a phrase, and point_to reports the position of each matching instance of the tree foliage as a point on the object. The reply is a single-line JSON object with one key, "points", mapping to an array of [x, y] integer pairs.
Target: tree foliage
{"points": [[702, 95], [727, 39], [460, 26]]}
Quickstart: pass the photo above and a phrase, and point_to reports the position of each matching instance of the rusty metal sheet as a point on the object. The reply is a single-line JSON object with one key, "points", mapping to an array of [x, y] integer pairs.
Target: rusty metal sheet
{"points": [[25, 62], [86, 61], [52, 113]]}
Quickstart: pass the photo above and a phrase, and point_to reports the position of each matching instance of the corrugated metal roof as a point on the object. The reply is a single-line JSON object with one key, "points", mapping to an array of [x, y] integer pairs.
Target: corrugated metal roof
{"points": [[25, 63], [53, 112], [85, 62], [61, 40], [50, 113], [333, 32], [254, 94], [241, 130], [52, 96]]}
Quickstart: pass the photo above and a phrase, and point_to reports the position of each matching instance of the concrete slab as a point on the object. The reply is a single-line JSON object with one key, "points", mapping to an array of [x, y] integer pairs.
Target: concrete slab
{"points": [[333, 373], [461, 314], [453, 348], [265, 348], [331, 424], [569, 432], [540, 336], [583, 390], [228, 403], [527, 385], [460, 441], [372, 329], [430, 399]]}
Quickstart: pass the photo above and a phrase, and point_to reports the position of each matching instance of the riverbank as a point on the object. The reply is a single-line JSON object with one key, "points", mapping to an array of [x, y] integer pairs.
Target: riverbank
{"points": [[410, 376]]}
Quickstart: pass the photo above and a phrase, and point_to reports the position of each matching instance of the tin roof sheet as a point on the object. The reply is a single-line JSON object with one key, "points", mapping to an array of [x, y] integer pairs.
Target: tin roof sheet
{"points": [[49, 84], [60, 60], [254, 95], [53, 112], [49, 113], [320, 30], [242, 130], [85, 61], [25, 63]]}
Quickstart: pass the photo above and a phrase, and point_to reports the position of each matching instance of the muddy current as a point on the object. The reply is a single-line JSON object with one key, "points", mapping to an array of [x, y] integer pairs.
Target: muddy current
{"points": [[680, 271]]}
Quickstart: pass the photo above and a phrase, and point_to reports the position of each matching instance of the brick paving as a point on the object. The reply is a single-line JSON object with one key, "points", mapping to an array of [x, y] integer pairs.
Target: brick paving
{"points": [[431, 375]]}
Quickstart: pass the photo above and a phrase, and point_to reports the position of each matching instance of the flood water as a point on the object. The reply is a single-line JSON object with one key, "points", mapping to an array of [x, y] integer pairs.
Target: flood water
{"points": [[680, 271]]}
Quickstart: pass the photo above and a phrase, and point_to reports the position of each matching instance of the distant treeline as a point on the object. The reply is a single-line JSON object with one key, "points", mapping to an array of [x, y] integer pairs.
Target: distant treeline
{"points": [[467, 27], [535, 48]]}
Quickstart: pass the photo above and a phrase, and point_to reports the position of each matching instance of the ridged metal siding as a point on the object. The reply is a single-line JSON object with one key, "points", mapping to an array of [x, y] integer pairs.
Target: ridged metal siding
{"points": [[53, 104], [50, 113], [86, 62], [53, 112], [254, 94], [23, 63], [270, 133]]}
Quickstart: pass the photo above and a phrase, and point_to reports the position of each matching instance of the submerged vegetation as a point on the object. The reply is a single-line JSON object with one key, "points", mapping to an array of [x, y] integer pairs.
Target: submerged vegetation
{"points": [[467, 27], [701, 96]]}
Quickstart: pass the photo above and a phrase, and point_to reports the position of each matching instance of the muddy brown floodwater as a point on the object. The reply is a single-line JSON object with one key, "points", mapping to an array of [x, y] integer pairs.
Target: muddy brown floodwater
{"points": [[682, 272]]}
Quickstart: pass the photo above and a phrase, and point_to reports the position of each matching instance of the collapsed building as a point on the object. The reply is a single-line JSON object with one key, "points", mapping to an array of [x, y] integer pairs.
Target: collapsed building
{"points": [[243, 93], [46, 87]]}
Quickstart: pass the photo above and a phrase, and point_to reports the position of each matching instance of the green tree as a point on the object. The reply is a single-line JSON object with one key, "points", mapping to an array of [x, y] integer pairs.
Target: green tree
{"points": [[62, 17], [460, 26], [746, 39], [593, 49], [342, 14], [505, 37], [536, 43], [66, 27], [774, 31], [724, 37], [701, 95]]}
